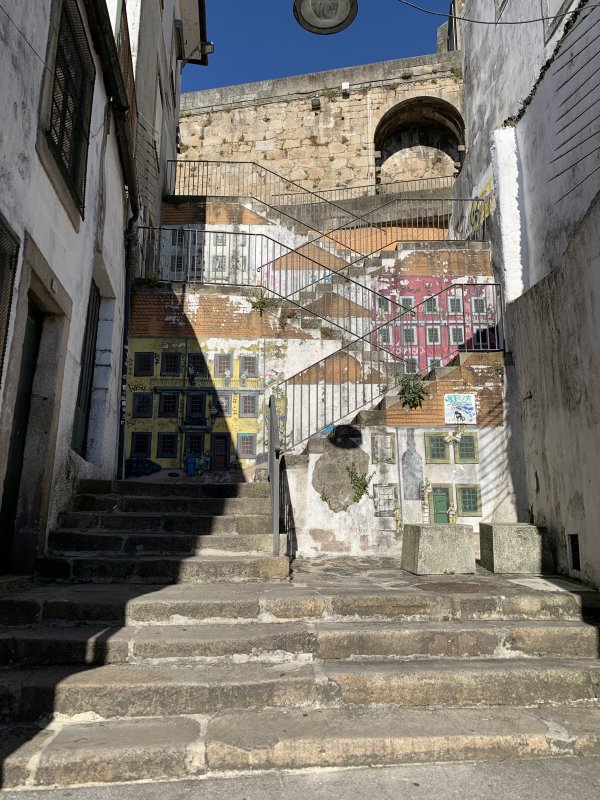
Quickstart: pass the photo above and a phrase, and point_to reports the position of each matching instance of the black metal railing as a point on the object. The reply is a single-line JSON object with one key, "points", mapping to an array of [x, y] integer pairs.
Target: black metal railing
{"points": [[343, 193]]}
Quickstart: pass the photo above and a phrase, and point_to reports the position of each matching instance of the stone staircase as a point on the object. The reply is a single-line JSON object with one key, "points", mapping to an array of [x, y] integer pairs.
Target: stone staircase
{"points": [[226, 665]]}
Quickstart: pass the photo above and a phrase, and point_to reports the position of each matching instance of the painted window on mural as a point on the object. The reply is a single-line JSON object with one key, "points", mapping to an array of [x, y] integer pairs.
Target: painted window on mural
{"points": [[143, 365], [409, 335], [168, 404], [170, 364], [467, 450], [481, 338], [223, 403], [197, 366], [437, 450], [194, 443], [433, 362], [478, 305], [455, 305], [385, 499], [176, 263], [141, 404], [249, 366], [177, 237], [223, 365], [167, 445], [383, 306], [457, 335], [219, 239], [141, 444], [219, 263], [410, 366], [469, 501], [406, 303], [431, 305], [433, 335], [196, 405], [248, 405], [383, 336], [246, 445]]}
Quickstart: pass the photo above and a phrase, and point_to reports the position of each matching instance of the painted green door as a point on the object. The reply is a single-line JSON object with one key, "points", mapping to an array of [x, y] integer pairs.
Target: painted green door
{"points": [[441, 501]]}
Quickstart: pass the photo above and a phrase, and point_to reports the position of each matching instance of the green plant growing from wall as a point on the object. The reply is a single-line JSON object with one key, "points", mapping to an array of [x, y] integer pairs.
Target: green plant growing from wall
{"points": [[262, 303], [457, 72], [359, 482], [412, 391], [498, 368], [286, 315]]}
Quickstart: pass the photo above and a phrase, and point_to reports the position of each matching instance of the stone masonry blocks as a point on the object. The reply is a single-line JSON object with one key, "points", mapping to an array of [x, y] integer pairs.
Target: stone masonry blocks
{"points": [[438, 549], [518, 548]]}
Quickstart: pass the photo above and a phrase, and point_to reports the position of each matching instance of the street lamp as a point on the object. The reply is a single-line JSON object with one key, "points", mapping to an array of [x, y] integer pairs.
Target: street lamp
{"points": [[325, 16]]}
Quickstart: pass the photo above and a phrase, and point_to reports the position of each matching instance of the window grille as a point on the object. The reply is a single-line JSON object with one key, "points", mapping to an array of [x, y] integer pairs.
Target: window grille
{"points": [[410, 366], [223, 366], [409, 335], [9, 251], [71, 105], [143, 365], [140, 445], [406, 303], [436, 448], [197, 365], [194, 443], [248, 405], [142, 404], [177, 236], [247, 445], [86, 375], [249, 366], [167, 445], [169, 404], [170, 364], [469, 501], [223, 403], [196, 406]]}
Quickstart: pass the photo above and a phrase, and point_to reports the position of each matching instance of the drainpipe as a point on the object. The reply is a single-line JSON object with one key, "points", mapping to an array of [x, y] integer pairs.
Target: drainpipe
{"points": [[125, 352]]}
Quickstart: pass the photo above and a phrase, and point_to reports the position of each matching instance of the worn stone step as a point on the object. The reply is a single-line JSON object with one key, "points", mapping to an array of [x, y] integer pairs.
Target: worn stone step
{"points": [[209, 506], [194, 603], [76, 542], [162, 570], [175, 489], [130, 690], [300, 738], [175, 748], [277, 641], [168, 523]]}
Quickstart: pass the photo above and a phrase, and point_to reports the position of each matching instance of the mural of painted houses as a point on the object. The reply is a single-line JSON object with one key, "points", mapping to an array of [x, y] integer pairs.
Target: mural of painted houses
{"points": [[183, 399]]}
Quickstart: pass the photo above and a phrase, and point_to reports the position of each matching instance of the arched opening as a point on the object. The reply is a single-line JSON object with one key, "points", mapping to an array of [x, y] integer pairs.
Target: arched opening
{"points": [[419, 138]]}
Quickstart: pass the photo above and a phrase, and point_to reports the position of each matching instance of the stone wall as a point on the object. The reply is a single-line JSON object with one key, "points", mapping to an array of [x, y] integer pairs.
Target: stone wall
{"points": [[273, 122]]}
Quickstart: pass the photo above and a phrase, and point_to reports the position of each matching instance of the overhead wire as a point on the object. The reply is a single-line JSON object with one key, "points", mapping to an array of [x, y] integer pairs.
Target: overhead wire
{"points": [[460, 18]]}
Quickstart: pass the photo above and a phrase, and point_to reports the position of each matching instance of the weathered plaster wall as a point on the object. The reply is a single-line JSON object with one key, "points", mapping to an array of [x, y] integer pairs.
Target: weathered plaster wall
{"points": [[70, 253], [272, 122], [555, 333]]}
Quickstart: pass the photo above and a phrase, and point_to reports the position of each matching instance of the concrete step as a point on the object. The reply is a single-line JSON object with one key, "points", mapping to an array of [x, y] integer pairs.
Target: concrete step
{"points": [[139, 690], [168, 523], [162, 570], [131, 604], [103, 542], [171, 505], [175, 489], [278, 642], [174, 748]]}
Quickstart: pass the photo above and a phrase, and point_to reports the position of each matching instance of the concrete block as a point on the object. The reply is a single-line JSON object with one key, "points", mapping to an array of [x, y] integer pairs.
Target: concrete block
{"points": [[518, 548], [438, 549]]}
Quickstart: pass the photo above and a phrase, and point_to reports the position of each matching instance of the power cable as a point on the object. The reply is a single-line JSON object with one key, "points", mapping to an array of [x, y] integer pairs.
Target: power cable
{"points": [[27, 42], [491, 22]]}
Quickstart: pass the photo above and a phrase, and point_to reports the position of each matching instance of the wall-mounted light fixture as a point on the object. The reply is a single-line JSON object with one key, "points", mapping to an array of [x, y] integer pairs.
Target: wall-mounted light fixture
{"points": [[346, 89], [207, 48], [315, 104], [325, 16]]}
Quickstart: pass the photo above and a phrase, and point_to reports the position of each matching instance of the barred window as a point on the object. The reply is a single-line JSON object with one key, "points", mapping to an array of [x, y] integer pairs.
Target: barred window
{"points": [[177, 236], [167, 445], [247, 445], [169, 404], [140, 445], [248, 405], [171, 364], [142, 404], [71, 104], [143, 365], [9, 250]]}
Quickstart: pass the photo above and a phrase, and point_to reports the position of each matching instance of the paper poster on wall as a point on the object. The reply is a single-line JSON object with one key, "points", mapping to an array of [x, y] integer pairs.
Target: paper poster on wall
{"points": [[460, 409]]}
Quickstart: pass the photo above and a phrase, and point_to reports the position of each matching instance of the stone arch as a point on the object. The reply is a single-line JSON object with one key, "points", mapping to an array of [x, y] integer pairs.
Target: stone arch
{"points": [[418, 138]]}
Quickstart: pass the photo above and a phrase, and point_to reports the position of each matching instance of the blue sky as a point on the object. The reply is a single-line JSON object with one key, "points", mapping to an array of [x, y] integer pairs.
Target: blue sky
{"points": [[260, 39]]}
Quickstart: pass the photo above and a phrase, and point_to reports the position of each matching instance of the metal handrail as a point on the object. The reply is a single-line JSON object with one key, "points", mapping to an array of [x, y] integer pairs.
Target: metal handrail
{"points": [[372, 189], [330, 390], [274, 456]]}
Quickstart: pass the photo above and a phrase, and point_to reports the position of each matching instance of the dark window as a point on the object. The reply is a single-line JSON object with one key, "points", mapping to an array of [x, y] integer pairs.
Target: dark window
{"points": [[169, 404], [469, 501], [248, 405], [86, 375], [466, 451], [143, 365], [223, 403], [177, 236], [410, 366], [436, 449], [167, 445], [142, 404], [194, 443], [249, 366], [196, 406], [141, 444], [171, 364], [9, 250], [431, 305], [247, 445], [71, 106], [197, 365], [223, 366]]}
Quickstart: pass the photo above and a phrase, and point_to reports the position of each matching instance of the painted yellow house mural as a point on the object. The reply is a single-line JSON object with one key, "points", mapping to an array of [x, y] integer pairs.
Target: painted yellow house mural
{"points": [[184, 398]]}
